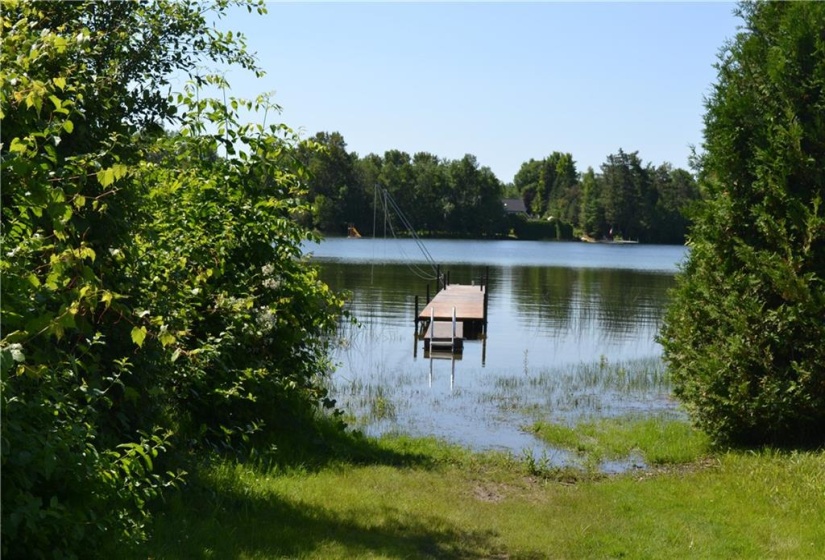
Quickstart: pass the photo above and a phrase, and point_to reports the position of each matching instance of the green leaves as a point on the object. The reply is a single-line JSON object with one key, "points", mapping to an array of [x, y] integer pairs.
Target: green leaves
{"points": [[106, 216], [138, 335], [114, 173], [165, 337], [77, 116], [237, 321], [744, 334], [18, 146]]}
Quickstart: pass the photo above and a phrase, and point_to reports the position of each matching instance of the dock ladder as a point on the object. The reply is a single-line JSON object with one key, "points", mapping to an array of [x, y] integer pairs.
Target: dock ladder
{"points": [[444, 335]]}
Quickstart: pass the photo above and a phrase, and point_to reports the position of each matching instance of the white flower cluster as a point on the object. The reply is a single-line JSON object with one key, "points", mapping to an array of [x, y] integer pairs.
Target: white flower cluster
{"points": [[269, 281], [266, 318], [16, 351]]}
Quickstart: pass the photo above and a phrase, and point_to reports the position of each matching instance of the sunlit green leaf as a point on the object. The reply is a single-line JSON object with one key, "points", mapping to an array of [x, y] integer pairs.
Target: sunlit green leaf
{"points": [[166, 338], [106, 177], [138, 335], [17, 146]]}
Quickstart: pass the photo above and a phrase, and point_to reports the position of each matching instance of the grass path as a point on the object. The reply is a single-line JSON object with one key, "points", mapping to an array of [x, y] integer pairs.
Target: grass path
{"points": [[423, 499]]}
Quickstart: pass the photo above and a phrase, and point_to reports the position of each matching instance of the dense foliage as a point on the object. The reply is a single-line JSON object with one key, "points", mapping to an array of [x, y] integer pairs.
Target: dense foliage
{"points": [[745, 334], [627, 199], [438, 197], [461, 198], [154, 300]]}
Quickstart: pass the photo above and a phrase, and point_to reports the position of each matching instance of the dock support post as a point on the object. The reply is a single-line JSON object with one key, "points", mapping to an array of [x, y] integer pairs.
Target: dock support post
{"points": [[485, 311], [432, 328], [415, 317], [452, 340]]}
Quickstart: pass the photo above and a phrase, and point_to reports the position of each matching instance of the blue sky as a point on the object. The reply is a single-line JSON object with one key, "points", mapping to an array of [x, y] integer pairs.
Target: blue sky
{"points": [[505, 82]]}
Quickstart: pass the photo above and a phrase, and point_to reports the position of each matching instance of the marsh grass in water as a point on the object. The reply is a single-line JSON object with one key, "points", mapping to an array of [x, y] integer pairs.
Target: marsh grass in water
{"points": [[372, 397], [374, 402], [587, 387], [408, 498], [656, 440], [382, 399]]}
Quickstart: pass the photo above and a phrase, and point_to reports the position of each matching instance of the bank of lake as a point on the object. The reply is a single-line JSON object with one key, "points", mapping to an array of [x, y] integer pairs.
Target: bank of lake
{"points": [[394, 495]]}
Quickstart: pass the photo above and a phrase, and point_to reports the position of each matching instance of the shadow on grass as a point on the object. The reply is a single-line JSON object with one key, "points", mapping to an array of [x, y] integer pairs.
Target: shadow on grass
{"points": [[330, 445], [221, 516], [207, 523]]}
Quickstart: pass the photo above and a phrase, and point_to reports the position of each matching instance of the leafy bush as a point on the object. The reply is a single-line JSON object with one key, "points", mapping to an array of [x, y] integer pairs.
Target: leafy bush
{"points": [[744, 334], [236, 319], [153, 292]]}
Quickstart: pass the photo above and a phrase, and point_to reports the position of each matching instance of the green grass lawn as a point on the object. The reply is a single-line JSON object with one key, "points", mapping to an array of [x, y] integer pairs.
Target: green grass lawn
{"points": [[424, 499]]}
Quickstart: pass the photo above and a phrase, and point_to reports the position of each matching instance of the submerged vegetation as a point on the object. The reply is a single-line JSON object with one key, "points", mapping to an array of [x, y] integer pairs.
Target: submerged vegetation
{"points": [[582, 389], [382, 402]]}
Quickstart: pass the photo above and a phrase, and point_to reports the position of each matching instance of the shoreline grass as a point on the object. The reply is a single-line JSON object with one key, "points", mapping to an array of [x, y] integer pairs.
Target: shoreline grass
{"points": [[421, 498], [656, 440]]}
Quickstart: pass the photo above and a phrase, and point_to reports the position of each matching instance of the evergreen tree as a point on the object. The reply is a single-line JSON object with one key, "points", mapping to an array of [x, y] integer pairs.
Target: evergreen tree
{"points": [[626, 195], [591, 212], [744, 334], [675, 190]]}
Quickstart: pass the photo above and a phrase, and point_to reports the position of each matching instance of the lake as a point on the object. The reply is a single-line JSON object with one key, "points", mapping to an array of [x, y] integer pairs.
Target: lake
{"points": [[571, 335]]}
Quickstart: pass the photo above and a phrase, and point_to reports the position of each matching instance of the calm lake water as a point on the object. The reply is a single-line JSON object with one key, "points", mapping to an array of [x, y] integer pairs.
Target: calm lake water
{"points": [[571, 335]]}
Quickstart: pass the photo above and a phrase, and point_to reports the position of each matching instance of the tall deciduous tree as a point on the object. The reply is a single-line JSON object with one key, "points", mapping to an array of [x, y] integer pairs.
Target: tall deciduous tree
{"points": [[744, 334], [565, 196], [526, 181], [475, 198], [431, 192], [338, 197]]}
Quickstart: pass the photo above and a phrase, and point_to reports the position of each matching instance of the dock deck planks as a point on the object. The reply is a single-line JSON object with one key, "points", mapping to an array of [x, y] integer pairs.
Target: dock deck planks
{"points": [[467, 300]]}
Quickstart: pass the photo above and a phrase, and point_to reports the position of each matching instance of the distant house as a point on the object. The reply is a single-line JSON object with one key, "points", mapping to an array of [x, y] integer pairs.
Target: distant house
{"points": [[514, 206]]}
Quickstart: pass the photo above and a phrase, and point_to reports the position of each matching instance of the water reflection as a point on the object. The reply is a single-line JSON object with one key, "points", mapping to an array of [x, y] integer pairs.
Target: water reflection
{"points": [[605, 305], [555, 314], [548, 326]]}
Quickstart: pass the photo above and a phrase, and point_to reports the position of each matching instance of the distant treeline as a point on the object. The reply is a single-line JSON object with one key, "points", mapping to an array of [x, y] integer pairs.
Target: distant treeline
{"points": [[460, 198]]}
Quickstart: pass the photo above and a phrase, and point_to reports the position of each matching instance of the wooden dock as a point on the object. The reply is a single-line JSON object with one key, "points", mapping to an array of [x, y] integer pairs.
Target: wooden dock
{"points": [[455, 313], [469, 303]]}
